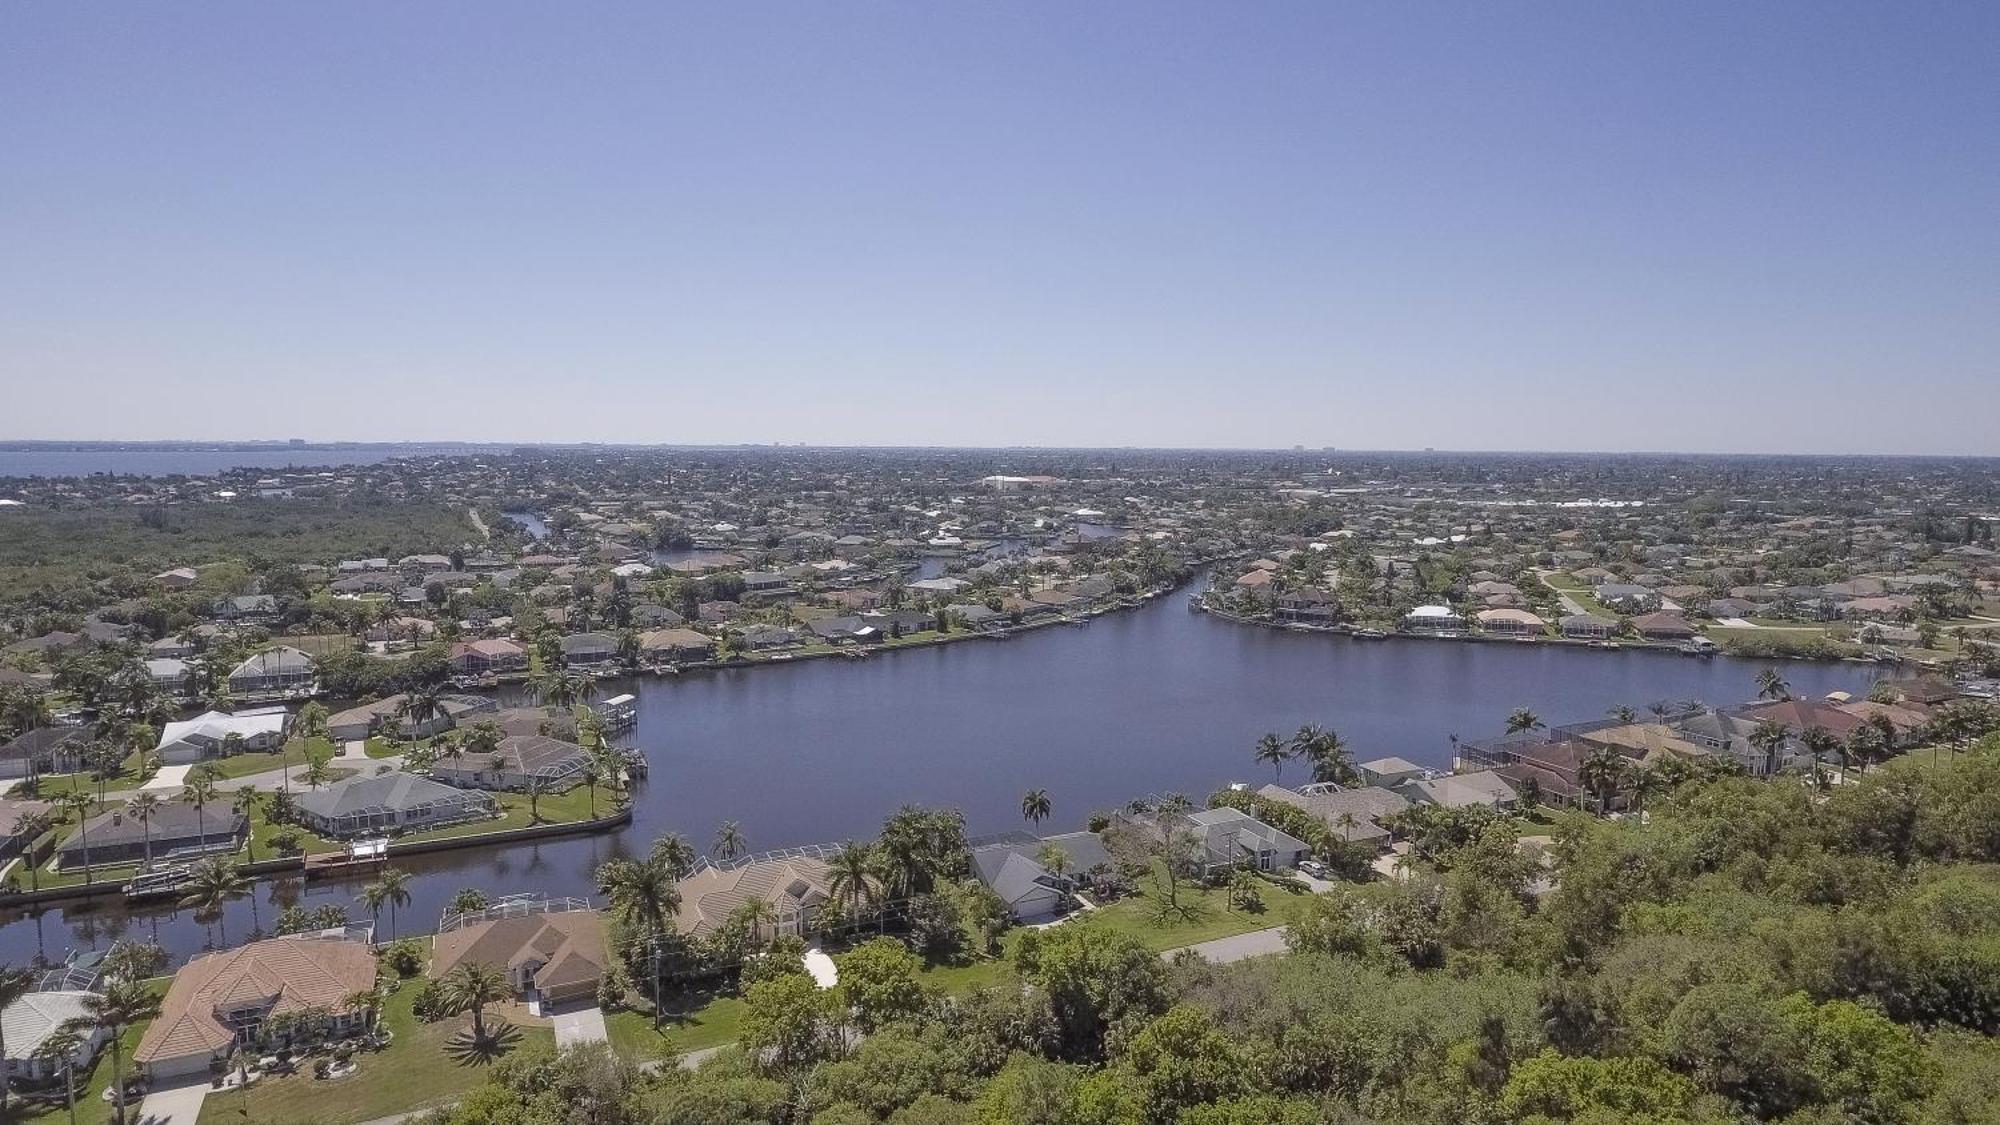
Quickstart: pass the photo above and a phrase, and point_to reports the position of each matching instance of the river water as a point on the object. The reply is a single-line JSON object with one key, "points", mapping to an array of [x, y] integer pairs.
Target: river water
{"points": [[1147, 701]]}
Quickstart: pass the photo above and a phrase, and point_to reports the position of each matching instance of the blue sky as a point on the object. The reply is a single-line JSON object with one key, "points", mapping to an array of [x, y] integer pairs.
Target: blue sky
{"points": [[1754, 227]]}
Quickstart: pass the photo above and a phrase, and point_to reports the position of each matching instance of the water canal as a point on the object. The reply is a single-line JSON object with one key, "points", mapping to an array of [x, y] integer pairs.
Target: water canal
{"points": [[1147, 701]]}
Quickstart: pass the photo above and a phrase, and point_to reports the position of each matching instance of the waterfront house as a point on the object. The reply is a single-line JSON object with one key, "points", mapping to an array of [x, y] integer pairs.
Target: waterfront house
{"points": [[1391, 770], [794, 887], [1663, 627], [174, 830], [1430, 619], [843, 630], [277, 669], [17, 818], [224, 1001], [550, 956], [589, 650], [58, 749], [1588, 627], [390, 802], [1233, 838], [762, 638], [767, 582], [1511, 622], [1032, 892], [650, 615], [208, 735], [978, 618], [1628, 597], [676, 645], [1355, 815], [364, 721], [31, 1020], [1482, 789], [496, 655], [522, 760], [1306, 607]]}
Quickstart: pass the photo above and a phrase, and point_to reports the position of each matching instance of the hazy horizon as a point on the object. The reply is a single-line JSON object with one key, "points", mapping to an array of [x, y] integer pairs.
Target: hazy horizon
{"points": [[1703, 229]]}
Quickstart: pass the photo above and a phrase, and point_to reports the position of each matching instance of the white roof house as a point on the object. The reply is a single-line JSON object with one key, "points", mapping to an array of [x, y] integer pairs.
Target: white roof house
{"points": [[29, 1021], [1431, 613], [254, 725]]}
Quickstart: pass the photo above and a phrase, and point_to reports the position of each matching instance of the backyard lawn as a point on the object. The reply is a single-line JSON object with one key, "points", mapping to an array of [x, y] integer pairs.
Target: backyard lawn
{"points": [[413, 1072], [90, 1108]]}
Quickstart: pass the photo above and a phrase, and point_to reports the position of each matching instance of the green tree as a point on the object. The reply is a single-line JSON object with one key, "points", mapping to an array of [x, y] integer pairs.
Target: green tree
{"points": [[118, 1006], [880, 982], [789, 1023], [211, 885], [469, 987], [1035, 806]]}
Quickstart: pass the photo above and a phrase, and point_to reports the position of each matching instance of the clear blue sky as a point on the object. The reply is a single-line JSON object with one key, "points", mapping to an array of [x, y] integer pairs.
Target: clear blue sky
{"points": [[1690, 226]]}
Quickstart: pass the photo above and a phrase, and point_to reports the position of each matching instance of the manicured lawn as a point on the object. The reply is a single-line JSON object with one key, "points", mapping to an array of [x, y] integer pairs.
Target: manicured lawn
{"points": [[90, 1108], [413, 1072], [1211, 916], [51, 785], [708, 1024]]}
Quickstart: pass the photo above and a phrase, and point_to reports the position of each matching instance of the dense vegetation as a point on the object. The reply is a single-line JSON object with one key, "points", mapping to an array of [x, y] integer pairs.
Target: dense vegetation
{"points": [[1754, 951], [62, 548]]}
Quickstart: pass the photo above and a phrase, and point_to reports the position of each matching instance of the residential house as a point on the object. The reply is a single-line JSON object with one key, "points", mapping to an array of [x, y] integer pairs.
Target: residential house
{"points": [[42, 750], [523, 760], [549, 957], [390, 802], [18, 819], [1306, 607], [1389, 771], [223, 1001], [589, 650], [1628, 597], [170, 674], [275, 670], [247, 608], [364, 721], [1233, 838], [1663, 627], [793, 887], [676, 645], [172, 831], [1031, 891], [31, 1021], [1511, 622], [495, 655], [1587, 627], [1430, 619], [1355, 815], [1482, 789], [209, 734], [179, 578]]}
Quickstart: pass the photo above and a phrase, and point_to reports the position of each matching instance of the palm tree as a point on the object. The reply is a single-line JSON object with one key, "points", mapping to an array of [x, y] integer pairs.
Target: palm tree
{"points": [[851, 874], [14, 984], [1272, 751], [1600, 772], [1524, 721], [29, 829], [1624, 714], [211, 886], [1035, 806], [729, 841], [1647, 781], [80, 803], [319, 770], [58, 1052], [373, 896], [244, 804], [591, 774], [395, 884], [199, 790], [645, 895], [534, 790], [421, 705], [144, 808], [1772, 685], [1819, 742], [470, 987], [1330, 759], [1770, 738], [470, 900], [121, 1004]]}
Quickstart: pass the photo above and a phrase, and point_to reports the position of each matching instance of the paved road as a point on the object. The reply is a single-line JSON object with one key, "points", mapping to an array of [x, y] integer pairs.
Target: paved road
{"points": [[1237, 947], [175, 1105]]}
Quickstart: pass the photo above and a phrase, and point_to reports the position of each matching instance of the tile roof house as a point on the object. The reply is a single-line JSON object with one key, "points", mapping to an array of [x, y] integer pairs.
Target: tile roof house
{"points": [[497, 654], [676, 644], [794, 887], [548, 957], [1355, 815], [224, 999], [394, 801], [29, 1021], [1663, 626]]}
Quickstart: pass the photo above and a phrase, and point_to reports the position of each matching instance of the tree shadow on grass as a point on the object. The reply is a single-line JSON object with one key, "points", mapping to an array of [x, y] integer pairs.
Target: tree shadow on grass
{"points": [[501, 1037]]}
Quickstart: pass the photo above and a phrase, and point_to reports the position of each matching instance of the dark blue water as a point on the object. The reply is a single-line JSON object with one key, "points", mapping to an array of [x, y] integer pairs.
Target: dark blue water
{"points": [[1149, 701], [530, 523]]}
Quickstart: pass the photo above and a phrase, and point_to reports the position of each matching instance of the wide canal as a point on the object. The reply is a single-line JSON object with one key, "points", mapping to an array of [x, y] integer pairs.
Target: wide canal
{"points": [[1146, 701]]}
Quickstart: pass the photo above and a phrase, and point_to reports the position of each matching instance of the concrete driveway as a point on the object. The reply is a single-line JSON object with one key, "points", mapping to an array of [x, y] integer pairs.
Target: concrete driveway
{"points": [[578, 1025], [821, 967], [173, 1105], [167, 778]]}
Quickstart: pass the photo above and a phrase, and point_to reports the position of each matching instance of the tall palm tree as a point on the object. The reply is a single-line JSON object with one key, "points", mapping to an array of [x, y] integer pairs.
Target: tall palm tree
{"points": [[198, 790], [80, 803], [29, 829], [14, 984], [244, 804], [850, 874], [374, 896], [470, 987], [729, 842], [422, 705], [1524, 721], [1600, 772], [673, 853], [645, 895], [1819, 742], [121, 1004], [1770, 738], [143, 808], [1272, 751], [1624, 714], [1772, 685], [57, 1051], [212, 884], [1035, 806], [395, 884]]}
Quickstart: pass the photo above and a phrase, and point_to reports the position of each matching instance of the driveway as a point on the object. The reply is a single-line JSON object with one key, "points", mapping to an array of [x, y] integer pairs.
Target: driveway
{"points": [[821, 967], [174, 1105], [579, 1025], [167, 778], [1239, 947]]}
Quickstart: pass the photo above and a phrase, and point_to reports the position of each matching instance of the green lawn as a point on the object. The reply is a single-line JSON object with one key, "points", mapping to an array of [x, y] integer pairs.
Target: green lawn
{"points": [[1209, 917], [90, 1108], [705, 1024], [413, 1072], [296, 753]]}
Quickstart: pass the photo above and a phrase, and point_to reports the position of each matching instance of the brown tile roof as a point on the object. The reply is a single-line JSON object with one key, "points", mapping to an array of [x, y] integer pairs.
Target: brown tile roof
{"points": [[710, 895], [286, 974], [569, 944]]}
